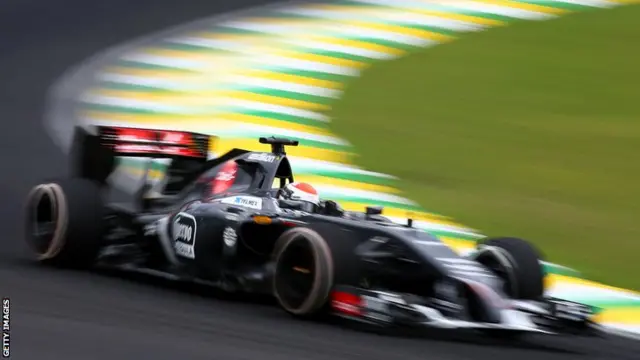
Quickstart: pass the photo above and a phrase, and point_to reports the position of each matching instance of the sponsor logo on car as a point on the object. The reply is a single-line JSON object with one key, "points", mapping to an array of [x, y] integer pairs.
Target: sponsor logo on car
{"points": [[244, 201], [262, 157], [225, 178], [184, 235], [346, 303], [229, 237]]}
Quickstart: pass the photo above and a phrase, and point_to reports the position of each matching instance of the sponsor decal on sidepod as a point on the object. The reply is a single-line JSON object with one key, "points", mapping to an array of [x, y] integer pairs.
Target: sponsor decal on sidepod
{"points": [[184, 235]]}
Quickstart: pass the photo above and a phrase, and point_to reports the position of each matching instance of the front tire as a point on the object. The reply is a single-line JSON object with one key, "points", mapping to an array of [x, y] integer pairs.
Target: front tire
{"points": [[304, 272], [517, 262], [64, 222]]}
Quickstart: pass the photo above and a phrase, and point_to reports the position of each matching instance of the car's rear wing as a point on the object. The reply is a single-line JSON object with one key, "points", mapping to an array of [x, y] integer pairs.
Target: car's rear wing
{"points": [[154, 143], [94, 154]]}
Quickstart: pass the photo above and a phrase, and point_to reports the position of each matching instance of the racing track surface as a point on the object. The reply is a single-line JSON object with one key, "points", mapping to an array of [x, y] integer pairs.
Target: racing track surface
{"points": [[69, 315]]}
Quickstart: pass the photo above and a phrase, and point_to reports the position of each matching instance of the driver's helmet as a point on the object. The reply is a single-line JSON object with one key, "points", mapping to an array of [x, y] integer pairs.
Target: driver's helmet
{"points": [[303, 195]]}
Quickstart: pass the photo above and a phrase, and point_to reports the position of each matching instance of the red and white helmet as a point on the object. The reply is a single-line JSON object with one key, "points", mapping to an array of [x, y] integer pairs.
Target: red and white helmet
{"points": [[301, 192]]}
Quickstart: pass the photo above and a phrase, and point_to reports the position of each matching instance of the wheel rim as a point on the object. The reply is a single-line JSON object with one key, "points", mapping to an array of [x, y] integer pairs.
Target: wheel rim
{"points": [[42, 221], [493, 264], [46, 220], [295, 273]]}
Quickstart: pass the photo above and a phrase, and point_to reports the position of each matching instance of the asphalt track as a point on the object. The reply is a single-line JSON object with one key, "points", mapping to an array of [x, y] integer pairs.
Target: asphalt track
{"points": [[71, 315]]}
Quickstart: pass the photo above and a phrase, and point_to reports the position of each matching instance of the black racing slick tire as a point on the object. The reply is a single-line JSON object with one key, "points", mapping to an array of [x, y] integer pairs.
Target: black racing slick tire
{"points": [[517, 262], [64, 222], [304, 272]]}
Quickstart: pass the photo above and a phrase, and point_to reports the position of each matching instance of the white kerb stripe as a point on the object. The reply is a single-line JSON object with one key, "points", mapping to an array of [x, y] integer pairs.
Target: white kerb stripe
{"points": [[218, 44], [168, 61], [354, 30], [435, 21], [285, 85], [327, 46], [283, 61], [500, 10], [594, 3], [396, 16], [150, 81], [129, 103], [261, 106], [268, 28]]}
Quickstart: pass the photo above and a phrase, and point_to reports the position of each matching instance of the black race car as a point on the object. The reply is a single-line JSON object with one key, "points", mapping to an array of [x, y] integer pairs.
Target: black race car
{"points": [[221, 222]]}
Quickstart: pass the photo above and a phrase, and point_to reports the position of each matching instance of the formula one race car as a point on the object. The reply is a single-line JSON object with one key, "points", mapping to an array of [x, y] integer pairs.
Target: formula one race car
{"points": [[220, 222]]}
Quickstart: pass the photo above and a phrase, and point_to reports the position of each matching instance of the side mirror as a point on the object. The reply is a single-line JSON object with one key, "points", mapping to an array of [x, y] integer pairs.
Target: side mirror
{"points": [[373, 210]]}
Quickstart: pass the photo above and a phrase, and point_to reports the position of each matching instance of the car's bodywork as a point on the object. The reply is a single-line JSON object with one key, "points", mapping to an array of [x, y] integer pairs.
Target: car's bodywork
{"points": [[217, 222]]}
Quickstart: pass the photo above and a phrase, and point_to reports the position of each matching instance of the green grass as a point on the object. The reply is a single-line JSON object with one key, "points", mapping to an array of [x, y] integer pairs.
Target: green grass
{"points": [[531, 130]]}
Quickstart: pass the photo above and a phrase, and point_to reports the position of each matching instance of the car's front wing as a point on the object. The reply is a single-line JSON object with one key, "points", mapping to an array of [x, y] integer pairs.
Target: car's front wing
{"points": [[382, 308]]}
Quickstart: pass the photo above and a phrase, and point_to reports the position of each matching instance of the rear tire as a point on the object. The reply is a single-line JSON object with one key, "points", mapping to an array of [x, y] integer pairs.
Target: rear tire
{"points": [[64, 222], [516, 261], [304, 272]]}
